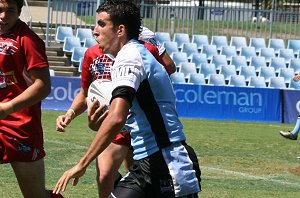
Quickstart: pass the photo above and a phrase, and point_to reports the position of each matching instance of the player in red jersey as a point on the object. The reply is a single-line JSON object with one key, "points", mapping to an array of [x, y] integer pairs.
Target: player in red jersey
{"points": [[94, 67], [25, 81]]}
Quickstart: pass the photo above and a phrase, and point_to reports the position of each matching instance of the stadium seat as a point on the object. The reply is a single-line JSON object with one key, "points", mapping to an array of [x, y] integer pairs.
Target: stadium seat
{"points": [[171, 47], [237, 81], [210, 51], [78, 52], [80, 64], [198, 58], [216, 80], [219, 42], [200, 40], [248, 52], [89, 42], [268, 53], [70, 43], [189, 49], [228, 71], [257, 82], [287, 54], [277, 82], [178, 78], [207, 69], [295, 64], [187, 68], [181, 38], [277, 63], [294, 85], [62, 32], [238, 62], [83, 33], [258, 44], [238, 42], [258, 62], [51, 72], [247, 71], [219, 60], [267, 73], [163, 37], [276, 44], [178, 58], [295, 46], [229, 52], [197, 79], [287, 74]]}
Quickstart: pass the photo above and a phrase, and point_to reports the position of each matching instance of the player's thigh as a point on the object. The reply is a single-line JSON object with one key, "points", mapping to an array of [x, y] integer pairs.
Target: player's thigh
{"points": [[30, 175]]}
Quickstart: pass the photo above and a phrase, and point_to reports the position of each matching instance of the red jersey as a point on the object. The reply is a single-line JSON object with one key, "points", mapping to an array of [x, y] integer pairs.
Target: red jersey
{"points": [[21, 51]]}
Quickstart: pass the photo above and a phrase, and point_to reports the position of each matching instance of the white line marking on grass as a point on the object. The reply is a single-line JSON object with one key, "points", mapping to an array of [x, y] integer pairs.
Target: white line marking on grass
{"points": [[248, 176], [68, 144]]}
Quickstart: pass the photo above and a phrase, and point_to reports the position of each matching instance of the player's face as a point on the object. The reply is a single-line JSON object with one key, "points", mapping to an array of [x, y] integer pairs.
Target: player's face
{"points": [[8, 15], [106, 34]]}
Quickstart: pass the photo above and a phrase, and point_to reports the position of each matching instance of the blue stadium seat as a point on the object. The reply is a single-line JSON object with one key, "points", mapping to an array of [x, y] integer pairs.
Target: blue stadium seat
{"points": [[238, 62], [178, 58], [207, 69], [294, 85], [187, 69], [295, 46], [267, 73], [277, 82], [216, 79], [181, 38], [229, 52], [219, 60], [197, 79], [78, 52], [257, 82], [247, 71], [258, 62], [219, 42], [83, 33], [163, 37], [210, 51], [228, 71], [258, 44], [295, 64], [89, 42], [287, 74], [237, 81], [51, 72], [276, 44], [171, 47], [277, 63], [80, 64], [189, 49], [238, 42], [62, 32], [70, 43], [287, 54], [268, 53], [178, 78], [198, 59], [200, 40], [248, 52]]}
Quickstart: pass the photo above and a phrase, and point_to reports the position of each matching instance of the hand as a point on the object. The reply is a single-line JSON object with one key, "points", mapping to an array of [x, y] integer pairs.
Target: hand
{"points": [[62, 122], [96, 115], [6, 108], [76, 172], [296, 77]]}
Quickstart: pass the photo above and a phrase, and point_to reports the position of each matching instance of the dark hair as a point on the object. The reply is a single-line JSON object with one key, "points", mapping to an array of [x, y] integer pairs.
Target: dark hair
{"points": [[123, 12], [19, 4]]}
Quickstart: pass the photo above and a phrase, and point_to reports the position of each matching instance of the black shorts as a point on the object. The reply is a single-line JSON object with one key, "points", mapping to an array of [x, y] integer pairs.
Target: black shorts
{"points": [[151, 178]]}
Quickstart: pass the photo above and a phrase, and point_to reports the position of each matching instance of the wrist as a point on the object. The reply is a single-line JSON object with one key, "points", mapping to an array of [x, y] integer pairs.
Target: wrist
{"points": [[7, 107], [71, 113]]}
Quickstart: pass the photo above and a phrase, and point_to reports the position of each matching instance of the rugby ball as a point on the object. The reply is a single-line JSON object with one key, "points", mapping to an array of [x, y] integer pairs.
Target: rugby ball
{"points": [[99, 89]]}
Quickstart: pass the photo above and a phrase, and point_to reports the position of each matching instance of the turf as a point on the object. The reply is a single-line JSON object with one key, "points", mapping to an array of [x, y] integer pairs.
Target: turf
{"points": [[238, 159]]}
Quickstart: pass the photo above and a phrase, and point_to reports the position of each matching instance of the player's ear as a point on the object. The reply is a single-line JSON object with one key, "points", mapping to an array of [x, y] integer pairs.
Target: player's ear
{"points": [[121, 30]]}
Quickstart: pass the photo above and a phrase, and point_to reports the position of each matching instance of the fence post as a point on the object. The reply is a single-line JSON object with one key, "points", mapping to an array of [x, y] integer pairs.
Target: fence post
{"points": [[272, 18], [48, 23]]}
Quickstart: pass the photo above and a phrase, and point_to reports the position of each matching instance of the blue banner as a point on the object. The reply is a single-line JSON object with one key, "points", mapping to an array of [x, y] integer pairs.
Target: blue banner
{"points": [[291, 106], [228, 103]]}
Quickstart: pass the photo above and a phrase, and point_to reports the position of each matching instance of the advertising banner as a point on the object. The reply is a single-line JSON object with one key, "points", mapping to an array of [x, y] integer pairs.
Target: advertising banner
{"points": [[228, 103], [291, 106]]}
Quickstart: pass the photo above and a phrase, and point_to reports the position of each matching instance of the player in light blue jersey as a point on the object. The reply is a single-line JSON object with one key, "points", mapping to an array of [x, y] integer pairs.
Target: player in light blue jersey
{"points": [[144, 101]]}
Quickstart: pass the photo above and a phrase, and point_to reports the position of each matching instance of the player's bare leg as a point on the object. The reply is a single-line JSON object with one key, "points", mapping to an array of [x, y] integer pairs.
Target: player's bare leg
{"points": [[31, 178], [108, 163]]}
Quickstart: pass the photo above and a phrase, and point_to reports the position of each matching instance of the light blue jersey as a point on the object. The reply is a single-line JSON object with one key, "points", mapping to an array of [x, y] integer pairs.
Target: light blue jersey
{"points": [[153, 120]]}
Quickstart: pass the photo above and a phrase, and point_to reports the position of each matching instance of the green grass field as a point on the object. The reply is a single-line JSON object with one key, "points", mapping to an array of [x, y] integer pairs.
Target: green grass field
{"points": [[238, 159]]}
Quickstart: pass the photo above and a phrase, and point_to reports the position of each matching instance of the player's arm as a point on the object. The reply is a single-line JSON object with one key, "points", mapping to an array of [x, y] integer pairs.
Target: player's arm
{"points": [[37, 91], [169, 63]]}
